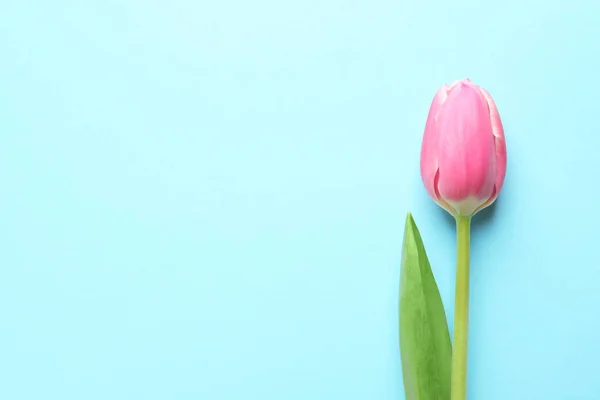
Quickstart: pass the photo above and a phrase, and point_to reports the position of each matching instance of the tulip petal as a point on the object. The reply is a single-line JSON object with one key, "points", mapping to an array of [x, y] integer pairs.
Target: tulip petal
{"points": [[429, 147], [466, 150], [499, 142]]}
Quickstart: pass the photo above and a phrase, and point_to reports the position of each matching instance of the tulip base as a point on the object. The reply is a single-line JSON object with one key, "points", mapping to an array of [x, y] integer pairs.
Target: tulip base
{"points": [[461, 310]]}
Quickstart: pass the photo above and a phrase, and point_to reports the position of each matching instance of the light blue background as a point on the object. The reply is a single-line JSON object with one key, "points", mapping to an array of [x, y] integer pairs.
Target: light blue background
{"points": [[206, 200]]}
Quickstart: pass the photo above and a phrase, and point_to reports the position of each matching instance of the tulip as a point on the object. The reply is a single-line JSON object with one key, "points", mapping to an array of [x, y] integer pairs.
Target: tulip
{"points": [[463, 164], [463, 155]]}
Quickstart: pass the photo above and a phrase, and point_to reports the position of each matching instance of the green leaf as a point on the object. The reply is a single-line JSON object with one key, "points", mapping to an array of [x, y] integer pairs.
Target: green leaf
{"points": [[425, 347]]}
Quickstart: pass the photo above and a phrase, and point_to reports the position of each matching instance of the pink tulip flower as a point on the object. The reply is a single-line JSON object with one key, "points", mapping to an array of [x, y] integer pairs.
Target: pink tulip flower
{"points": [[463, 155]]}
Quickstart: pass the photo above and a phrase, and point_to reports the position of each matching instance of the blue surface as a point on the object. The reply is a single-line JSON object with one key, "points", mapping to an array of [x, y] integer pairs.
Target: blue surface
{"points": [[206, 200]]}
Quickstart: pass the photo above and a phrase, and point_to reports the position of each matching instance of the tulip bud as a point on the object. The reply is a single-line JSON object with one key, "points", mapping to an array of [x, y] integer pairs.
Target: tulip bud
{"points": [[463, 155]]}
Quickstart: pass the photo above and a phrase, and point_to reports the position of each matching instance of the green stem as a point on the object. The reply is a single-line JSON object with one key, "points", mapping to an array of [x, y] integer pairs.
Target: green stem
{"points": [[461, 310]]}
